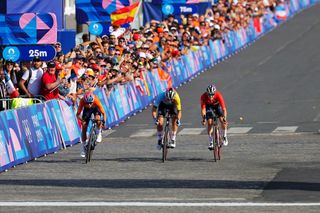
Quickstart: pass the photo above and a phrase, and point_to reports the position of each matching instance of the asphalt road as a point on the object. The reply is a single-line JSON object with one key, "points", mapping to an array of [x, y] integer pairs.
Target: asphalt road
{"points": [[272, 158]]}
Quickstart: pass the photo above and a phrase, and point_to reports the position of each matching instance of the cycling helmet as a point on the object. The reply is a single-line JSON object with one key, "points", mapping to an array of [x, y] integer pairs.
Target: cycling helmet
{"points": [[211, 89], [89, 97], [170, 94]]}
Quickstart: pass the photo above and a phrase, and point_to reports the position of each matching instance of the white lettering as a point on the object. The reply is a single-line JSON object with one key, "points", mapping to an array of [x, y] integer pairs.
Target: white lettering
{"points": [[185, 9], [39, 135], [27, 130], [35, 120]]}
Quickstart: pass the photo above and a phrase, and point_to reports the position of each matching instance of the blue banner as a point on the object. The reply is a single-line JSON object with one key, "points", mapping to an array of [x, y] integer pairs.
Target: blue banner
{"points": [[34, 6], [28, 52], [12, 138], [28, 28], [97, 10]]}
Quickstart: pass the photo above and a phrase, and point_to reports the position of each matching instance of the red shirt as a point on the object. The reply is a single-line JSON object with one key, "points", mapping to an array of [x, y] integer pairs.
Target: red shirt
{"points": [[49, 79], [217, 98]]}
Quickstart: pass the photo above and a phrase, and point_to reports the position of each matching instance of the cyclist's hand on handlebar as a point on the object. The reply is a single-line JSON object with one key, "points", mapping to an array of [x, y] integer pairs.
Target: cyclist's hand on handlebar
{"points": [[156, 121], [178, 122], [224, 120], [203, 122]]}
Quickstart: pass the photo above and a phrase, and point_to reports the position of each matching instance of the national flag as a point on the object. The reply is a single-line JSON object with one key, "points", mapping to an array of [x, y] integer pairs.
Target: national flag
{"points": [[165, 76], [257, 24], [281, 12], [124, 15]]}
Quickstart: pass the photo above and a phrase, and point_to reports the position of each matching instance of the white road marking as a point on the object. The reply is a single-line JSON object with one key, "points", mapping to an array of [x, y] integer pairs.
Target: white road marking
{"points": [[144, 133], [191, 131], [239, 130], [107, 132], [153, 204], [317, 118], [284, 129]]}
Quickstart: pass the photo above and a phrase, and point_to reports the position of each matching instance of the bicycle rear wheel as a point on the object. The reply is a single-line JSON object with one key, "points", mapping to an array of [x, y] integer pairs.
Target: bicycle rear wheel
{"points": [[165, 144]]}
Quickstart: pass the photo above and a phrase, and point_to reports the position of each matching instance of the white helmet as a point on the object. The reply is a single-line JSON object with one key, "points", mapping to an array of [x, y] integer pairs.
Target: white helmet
{"points": [[211, 89], [170, 94]]}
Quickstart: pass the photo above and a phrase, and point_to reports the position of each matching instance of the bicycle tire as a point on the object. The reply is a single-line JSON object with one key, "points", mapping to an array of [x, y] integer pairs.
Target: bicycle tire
{"points": [[219, 144], [215, 149], [90, 146], [165, 145]]}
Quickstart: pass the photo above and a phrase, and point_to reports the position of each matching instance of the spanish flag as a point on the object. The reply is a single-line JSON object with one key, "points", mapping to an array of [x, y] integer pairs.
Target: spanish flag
{"points": [[124, 15]]}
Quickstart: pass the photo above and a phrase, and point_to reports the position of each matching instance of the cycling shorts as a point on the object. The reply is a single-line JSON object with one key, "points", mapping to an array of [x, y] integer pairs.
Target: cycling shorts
{"points": [[87, 113], [164, 107], [213, 110]]}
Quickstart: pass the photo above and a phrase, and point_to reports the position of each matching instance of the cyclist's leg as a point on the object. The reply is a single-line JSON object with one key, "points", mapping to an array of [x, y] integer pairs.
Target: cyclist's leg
{"points": [[223, 123], [161, 114], [99, 125], [86, 115], [174, 112], [209, 117], [84, 132]]}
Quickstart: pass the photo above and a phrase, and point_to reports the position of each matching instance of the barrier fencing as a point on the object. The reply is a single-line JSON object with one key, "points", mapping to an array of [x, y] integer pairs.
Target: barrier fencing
{"points": [[30, 132]]}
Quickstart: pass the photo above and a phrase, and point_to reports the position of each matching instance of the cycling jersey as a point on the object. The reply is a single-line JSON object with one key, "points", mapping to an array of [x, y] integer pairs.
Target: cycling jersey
{"points": [[217, 99], [162, 98]]}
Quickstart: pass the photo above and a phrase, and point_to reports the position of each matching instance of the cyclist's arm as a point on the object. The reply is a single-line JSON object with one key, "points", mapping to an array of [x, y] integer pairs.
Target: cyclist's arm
{"points": [[179, 108], [154, 112], [203, 105], [97, 102], [222, 104], [80, 108], [179, 114]]}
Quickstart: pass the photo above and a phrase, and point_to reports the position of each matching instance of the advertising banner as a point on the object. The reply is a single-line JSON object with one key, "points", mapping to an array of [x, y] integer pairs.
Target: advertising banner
{"points": [[18, 149], [31, 129], [34, 6], [71, 123], [28, 28], [97, 10]]}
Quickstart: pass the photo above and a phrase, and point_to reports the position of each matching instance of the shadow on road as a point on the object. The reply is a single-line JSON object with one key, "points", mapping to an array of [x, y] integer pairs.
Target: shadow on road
{"points": [[169, 183]]}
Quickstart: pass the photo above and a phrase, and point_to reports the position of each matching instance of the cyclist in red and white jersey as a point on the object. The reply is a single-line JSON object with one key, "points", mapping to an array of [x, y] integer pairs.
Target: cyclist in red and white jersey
{"points": [[212, 103]]}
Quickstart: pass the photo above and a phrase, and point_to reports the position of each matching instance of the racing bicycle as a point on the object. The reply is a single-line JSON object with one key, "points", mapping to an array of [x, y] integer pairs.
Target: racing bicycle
{"points": [[217, 137], [217, 140], [92, 142], [166, 137]]}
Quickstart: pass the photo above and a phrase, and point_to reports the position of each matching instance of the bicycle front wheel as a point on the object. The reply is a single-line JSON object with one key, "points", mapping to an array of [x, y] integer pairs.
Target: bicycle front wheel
{"points": [[90, 146], [165, 144]]}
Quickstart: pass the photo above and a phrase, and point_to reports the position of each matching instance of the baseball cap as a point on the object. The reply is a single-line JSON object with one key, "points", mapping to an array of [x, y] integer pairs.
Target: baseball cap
{"points": [[36, 58], [51, 64]]}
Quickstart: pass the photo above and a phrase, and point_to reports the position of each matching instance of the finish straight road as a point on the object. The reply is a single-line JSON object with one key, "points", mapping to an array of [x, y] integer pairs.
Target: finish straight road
{"points": [[271, 85]]}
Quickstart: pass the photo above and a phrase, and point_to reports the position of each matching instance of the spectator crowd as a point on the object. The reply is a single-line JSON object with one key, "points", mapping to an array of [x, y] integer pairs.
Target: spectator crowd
{"points": [[126, 53]]}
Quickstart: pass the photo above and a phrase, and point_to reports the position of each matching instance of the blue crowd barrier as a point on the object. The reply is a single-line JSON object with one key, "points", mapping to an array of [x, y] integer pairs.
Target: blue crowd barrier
{"points": [[31, 132]]}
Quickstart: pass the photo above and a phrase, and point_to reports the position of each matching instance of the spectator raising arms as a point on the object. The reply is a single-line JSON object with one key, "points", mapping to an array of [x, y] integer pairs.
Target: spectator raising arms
{"points": [[50, 83]]}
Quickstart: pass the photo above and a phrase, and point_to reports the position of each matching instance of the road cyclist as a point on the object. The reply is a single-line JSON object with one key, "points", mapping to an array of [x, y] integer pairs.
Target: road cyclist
{"points": [[212, 104], [90, 105], [168, 101]]}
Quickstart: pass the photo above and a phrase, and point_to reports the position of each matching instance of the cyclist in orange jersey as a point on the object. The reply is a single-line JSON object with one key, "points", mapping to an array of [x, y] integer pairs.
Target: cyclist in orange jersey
{"points": [[90, 104]]}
